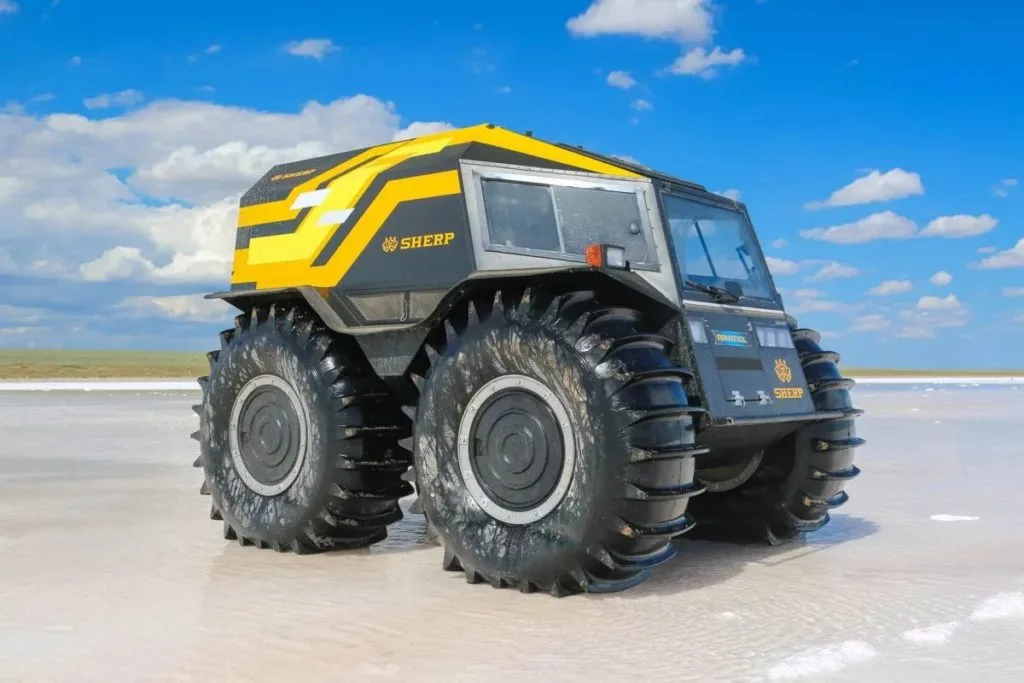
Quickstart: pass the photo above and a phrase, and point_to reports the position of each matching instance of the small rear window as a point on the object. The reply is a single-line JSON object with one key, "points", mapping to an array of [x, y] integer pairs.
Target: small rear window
{"points": [[563, 219]]}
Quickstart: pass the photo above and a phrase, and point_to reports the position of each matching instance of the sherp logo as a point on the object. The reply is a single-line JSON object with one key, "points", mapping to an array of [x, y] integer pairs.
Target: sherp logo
{"points": [[783, 371]]}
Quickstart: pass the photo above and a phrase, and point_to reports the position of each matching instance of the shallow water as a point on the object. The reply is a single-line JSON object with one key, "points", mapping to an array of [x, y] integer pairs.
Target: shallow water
{"points": [[111, 571]]}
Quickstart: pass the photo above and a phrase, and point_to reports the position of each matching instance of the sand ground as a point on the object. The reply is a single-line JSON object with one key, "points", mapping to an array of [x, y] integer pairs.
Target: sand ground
{"points": [[110, 570]]}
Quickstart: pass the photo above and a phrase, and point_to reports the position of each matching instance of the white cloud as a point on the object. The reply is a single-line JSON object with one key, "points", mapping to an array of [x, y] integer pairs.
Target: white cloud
{"points": [[932, 313], [1011, 258], [1002, 188], [889, 225], [815, 305], [188, 307], [620, 79], [874, 187], [169, 213], [877, 226], [680, 20], [699, 62], [934, 303], [780, 266], [870, 323], [315, 48], [8, 7], [889, 287], [1013, 291], [124, 98], [642, 105], [779, 243], [959, 226], [941, 278], [20, 314], [808, 293], [834, 271], [212, 49], [987, 250]]}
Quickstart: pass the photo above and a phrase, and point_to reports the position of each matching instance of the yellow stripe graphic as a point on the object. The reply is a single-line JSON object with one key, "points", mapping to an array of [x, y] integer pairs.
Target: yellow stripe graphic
{"points": [[285, 260]]}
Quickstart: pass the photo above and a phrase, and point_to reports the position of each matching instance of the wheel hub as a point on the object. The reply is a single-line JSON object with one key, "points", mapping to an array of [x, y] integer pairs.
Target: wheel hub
{"points": [[516, 449], [268, 435]]}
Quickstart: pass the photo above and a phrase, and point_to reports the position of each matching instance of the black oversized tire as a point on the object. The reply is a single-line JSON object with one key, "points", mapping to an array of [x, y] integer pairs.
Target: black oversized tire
{"points": [[631, 426], [346, 489], [801, 477]]}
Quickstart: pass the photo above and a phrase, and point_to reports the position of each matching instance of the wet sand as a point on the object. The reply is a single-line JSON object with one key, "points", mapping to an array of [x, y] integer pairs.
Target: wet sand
{"points": [[111, 571]]}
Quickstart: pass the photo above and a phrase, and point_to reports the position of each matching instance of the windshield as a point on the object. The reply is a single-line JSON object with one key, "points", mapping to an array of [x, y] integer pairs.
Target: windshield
{"points": [[714, 247]]}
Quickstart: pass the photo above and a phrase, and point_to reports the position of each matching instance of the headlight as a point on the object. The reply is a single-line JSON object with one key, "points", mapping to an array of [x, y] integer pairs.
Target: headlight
{"points": [[698, 332], [774, 337]]}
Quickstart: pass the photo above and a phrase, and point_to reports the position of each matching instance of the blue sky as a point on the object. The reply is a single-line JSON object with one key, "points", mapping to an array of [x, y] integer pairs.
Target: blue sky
{"points": [[127, 134]]}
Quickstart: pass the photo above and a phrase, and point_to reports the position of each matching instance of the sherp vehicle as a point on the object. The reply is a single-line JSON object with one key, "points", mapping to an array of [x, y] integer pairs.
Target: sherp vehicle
{"points": [[575, 359]]}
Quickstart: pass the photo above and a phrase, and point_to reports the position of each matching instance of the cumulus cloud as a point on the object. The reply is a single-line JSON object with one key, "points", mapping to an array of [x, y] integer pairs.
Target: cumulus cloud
{"points": [[168, 213], [779, 243], [642, 105], [934, 303], [869, 323], [122, 99], [959, 226], [688, 22], [941, 278], [681, 20], [931, 314], [877, 226], [889, 287], [185, 307], [780, 266], [1002, 188], [700, 62], [8, 7], [834, 271], [887, 225], [1010, 258], [620, 79], [314, 48], [874, 187]]}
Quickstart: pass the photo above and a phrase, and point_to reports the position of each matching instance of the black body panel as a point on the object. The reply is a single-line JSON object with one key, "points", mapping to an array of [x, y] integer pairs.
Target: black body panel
{"points": [[740, 379], [423, 244]]}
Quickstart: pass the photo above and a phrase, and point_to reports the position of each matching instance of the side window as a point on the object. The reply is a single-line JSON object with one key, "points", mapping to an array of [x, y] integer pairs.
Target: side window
{"points": [[563, 219], [520, 215], [597, 215]]}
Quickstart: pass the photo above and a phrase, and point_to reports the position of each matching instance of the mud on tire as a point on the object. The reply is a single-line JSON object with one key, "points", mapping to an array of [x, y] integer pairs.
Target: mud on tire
{"points": [[308, 460], [616, 414], [801, 477]]}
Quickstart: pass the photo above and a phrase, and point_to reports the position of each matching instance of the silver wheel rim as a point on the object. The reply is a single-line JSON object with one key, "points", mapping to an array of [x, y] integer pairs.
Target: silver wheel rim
{"points": [[236, 450], [476, 491]]}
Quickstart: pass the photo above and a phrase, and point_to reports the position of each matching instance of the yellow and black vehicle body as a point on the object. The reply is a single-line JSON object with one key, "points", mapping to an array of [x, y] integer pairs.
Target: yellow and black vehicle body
{"points": [[576, 357]]}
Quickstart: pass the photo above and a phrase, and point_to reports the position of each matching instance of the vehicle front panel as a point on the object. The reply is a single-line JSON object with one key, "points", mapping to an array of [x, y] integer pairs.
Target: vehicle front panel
{"points": [[744, 377]]}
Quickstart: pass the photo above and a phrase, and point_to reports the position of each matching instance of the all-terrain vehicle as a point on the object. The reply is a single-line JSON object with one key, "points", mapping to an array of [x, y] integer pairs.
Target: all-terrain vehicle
{"points": [[574, 358]]}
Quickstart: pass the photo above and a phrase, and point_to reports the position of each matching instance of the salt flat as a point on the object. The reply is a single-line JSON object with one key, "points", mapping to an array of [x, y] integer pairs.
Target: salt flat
{"points": [[111, 571]]}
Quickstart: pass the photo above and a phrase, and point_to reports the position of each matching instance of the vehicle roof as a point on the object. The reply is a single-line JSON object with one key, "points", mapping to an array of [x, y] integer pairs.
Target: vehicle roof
{"points": [[483, 142]]}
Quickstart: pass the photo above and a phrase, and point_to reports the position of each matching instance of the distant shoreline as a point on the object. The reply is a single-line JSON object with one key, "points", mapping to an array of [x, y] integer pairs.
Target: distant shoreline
{"points": [[59, 365]]}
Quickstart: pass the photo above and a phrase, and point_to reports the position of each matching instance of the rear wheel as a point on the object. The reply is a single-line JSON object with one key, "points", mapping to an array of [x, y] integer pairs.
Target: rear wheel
{"points": [[553, 444], [298, 437], [801, 477]]}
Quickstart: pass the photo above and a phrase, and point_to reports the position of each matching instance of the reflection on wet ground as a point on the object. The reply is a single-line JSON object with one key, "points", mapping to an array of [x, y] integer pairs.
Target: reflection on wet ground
{"points": [[110, 571]]}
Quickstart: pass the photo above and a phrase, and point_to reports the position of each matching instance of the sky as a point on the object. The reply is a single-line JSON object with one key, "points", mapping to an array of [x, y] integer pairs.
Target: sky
{"points": [[878, 145]]}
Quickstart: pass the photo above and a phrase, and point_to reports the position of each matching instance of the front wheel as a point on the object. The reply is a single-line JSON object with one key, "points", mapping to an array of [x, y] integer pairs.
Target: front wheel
{"points": [[554, 445]]}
